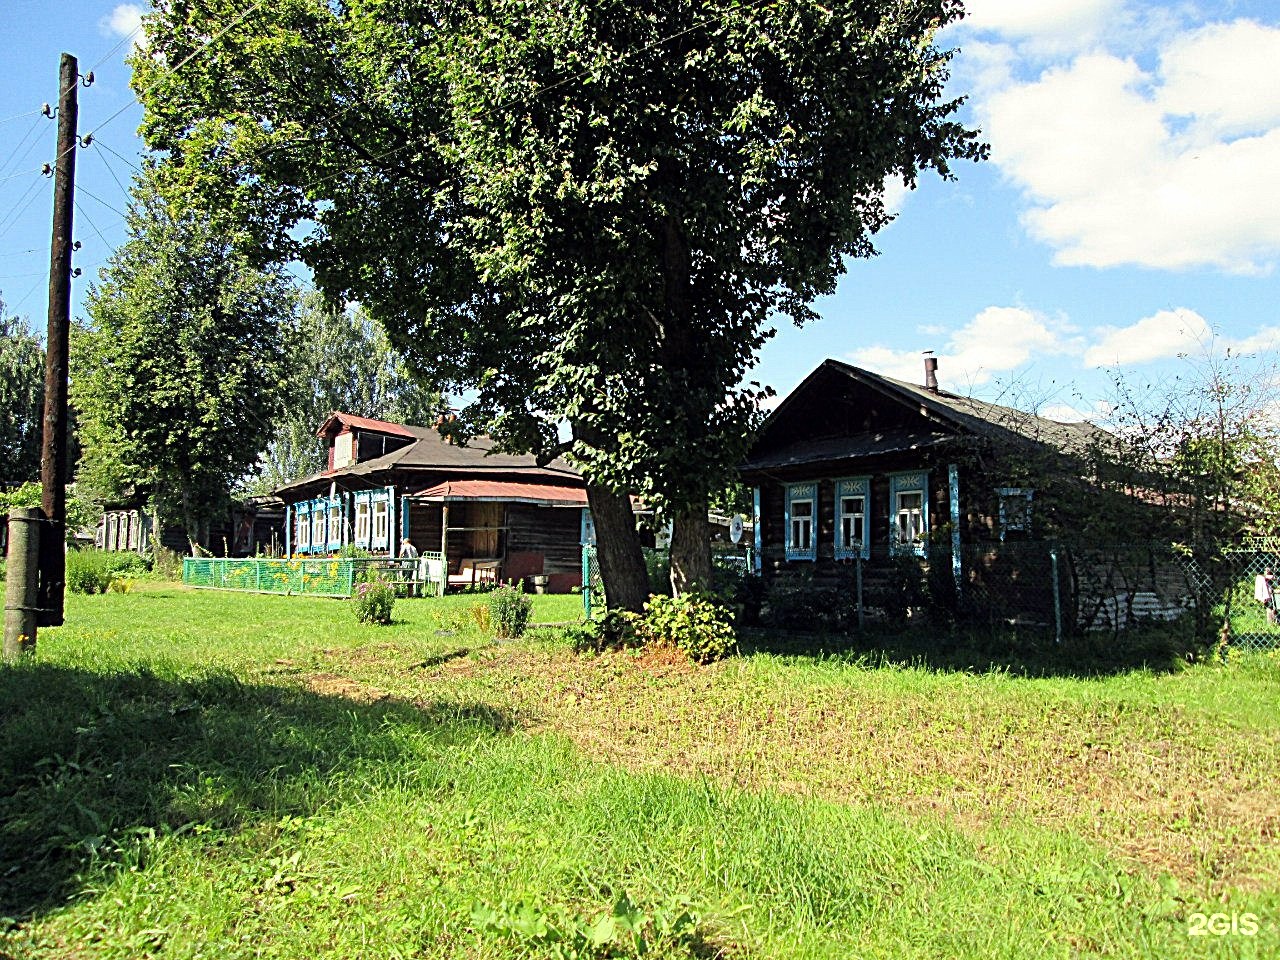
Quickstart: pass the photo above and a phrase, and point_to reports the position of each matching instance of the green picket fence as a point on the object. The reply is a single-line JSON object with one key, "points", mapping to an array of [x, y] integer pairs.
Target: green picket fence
{"points": [[314, 577]]}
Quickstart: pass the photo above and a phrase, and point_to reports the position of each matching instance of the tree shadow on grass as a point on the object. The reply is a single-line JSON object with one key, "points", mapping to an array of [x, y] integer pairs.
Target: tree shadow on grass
{"points": [[89, 759], [1018, 654]]}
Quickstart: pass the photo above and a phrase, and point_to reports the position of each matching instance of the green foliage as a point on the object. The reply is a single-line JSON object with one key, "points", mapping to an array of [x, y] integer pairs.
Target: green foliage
{"points": [[21, 399], [695, 623], [795, 602], [97, 571], [657, 567], [339, 359], [606, 209], [373, 601], [615, 630], [624, 931], [180, 372], [509, 610]]}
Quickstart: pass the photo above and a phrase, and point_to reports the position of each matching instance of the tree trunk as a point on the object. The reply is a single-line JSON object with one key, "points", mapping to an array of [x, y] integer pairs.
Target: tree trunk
{"points": [[626, 583], [690, 550]]}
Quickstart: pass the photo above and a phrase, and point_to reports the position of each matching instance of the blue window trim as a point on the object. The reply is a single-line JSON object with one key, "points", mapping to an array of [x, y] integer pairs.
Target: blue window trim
{"points": [[319, 506], [853, 487], [376, 497], [301, 518], [801, 491], [903, 483], [334, 530]]}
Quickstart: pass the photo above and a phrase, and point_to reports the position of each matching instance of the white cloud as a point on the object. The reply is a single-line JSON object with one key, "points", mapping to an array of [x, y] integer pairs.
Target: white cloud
{"points": [[1172, 169], [1157, 337], [896, 192], [997, 340], [1038, 19], [123, 20]]}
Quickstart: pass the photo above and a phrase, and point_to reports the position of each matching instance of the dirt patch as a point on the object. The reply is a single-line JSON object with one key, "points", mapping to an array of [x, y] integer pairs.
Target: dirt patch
{"points": [[333, 685]]}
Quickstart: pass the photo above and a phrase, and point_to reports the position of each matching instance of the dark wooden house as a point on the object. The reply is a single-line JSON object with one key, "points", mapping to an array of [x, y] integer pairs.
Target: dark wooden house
{"points": [[494, 516], [252, 527], [858, 470]]}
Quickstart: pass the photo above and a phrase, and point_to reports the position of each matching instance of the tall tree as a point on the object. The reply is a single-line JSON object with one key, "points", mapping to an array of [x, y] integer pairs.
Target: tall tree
{"points": [[179, 374], [587, 211], [339, 359], [21, 399]]}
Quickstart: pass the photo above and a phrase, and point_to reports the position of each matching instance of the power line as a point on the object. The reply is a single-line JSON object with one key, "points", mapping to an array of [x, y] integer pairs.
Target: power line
{"points": [[111, 170], [15, 214], [14, 159], [187, 59], [83, 213], [80, 189]]}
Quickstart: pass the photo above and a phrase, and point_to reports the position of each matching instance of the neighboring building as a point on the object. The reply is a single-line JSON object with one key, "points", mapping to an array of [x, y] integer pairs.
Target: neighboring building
{"points": [[857, 467], [254, 527], [494, 516]]}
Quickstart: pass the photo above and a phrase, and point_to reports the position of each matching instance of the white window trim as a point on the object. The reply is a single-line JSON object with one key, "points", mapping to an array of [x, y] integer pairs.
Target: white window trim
{"points": [[381, 538], [364, 524], [900, 484], [850, 488], [1007, 523], [801, 493], [319, 533], [302, 530]]}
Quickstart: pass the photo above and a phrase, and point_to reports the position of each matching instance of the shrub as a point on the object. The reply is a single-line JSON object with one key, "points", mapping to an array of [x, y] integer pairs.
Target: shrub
{"points": [[373, 602], [165, 562], [615, 630], [695, 623], [797, 603], [94, 571], [509, 611]]}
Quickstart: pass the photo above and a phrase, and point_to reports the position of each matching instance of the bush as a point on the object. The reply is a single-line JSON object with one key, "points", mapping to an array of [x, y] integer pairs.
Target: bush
{"points": [[165, 562], [94, 571], [695, 623], [615, 630], [373, 602], [509, 611], [796, 603]]}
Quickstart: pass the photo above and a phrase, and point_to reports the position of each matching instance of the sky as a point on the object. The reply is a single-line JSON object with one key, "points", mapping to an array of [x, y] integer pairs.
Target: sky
{"points": [[1128, 217]]}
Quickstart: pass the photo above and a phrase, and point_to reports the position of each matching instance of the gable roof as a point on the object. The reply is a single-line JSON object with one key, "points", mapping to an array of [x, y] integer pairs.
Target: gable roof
{"points": [[429, 451], [948, 416], [362, 423]]}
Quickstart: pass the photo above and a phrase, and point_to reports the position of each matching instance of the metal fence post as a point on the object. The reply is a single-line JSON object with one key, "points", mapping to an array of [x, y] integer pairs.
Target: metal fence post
{"points": [[857, 575], [586, 582], [1057, 596]]}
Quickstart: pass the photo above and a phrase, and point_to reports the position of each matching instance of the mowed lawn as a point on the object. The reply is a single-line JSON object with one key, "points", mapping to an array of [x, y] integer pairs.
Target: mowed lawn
{"points": [[200, 774]]}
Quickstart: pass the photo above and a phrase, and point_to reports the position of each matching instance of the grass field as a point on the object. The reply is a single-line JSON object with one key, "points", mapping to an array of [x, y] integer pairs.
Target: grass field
{"points": [[198, 774]]}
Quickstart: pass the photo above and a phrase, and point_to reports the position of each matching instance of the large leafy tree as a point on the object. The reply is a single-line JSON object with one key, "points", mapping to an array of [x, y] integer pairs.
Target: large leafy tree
{"points": [[339, 359], [589, 211], [21, 399], [179, 374]]}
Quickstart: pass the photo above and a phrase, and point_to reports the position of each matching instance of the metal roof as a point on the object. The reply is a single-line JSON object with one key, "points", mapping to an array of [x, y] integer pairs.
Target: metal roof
{"points": [[498, 490]]}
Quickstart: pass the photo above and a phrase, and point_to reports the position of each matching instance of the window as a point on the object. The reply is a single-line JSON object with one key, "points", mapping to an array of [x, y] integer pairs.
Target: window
{"points": [[302, 528], [362, 522], [318, 539], [381, 536], [852, 539], [800, 510], [335, 524], [343, 450], [909, 523], [1015, 510]]}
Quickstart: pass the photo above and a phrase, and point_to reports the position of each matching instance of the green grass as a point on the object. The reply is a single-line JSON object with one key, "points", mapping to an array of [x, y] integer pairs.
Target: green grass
{"points": [[201, 774]]}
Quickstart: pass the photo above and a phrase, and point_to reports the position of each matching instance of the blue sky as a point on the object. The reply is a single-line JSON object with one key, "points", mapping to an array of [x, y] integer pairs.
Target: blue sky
{"points": [[1130, 210]]}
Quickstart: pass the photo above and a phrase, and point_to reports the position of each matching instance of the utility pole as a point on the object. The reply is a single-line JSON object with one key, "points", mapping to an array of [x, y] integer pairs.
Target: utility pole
{"points": [[53, 454]]}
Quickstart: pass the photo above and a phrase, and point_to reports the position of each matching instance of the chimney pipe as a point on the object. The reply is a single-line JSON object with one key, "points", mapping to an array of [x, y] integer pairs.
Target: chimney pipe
{"points": [[930, 371]]}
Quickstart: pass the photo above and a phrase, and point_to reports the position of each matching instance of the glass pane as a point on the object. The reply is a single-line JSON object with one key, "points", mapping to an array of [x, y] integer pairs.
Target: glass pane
{"points": [[802, 508]]}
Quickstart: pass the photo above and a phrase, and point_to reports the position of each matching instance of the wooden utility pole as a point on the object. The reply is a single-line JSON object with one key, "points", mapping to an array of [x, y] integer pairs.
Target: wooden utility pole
{"points": [[53, 454]]}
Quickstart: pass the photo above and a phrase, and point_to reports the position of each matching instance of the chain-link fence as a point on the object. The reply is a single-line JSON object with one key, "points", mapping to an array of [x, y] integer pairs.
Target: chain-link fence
{"points": [[317, 577], [1052, 589]]}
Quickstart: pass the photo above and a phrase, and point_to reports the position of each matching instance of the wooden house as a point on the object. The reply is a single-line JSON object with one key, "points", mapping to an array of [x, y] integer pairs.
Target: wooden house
{"points": [[858, 470], [494, 516], [254, 526]]}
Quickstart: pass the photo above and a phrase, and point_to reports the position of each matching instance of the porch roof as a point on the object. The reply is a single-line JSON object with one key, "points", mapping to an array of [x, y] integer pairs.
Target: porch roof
{"points": [[543, 494]]}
